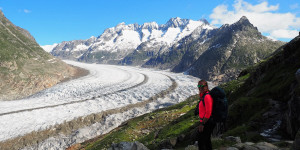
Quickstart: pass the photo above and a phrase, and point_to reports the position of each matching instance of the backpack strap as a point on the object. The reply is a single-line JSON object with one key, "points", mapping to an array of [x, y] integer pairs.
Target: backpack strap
{"points": [[202, 99]]}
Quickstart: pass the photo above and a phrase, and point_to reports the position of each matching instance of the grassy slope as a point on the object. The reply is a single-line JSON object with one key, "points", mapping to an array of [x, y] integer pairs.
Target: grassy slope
{"points": [[271, 79], [171, 123], [151, 128], [25, 67], [155, 128]]}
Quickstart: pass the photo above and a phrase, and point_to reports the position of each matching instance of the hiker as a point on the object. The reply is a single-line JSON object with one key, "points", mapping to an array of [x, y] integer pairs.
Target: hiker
{"points": [[207, 124]]}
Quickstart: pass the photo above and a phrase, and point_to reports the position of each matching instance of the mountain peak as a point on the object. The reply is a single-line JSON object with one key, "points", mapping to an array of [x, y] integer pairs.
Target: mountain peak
{"points": [[242, 24], [121, 24], [177, 22], [244, 20], [204, 20], [150, 25]]}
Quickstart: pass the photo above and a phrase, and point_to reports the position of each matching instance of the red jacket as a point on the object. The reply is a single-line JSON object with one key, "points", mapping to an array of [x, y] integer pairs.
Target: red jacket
{"points": [[205, 111]]}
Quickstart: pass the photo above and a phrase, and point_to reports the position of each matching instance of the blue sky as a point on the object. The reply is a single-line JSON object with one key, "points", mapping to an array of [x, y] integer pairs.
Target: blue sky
{"points": [[54, 21]]}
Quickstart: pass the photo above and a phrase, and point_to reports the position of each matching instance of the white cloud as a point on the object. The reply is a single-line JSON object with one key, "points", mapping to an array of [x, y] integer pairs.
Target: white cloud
{"points": [[277, 25], [283, 33], [294, 6], [27, 11]]}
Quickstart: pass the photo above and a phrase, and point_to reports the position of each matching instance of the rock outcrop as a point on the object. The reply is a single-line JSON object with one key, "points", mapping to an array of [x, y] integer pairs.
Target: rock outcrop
{"points": [[298, 76], [296, 144], [274, 82], [232, 49], [292, 116]]}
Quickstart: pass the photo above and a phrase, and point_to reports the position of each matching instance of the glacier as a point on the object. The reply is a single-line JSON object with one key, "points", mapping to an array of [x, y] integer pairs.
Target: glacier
{"points": [[106, 87]]}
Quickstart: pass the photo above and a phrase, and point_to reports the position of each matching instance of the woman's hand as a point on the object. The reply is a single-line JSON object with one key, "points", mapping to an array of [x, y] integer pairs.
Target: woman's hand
{"points": [[200, 128]]}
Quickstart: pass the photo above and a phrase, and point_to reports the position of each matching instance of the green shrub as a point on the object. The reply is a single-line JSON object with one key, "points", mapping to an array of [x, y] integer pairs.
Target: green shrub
{"points": [[244, 108]]}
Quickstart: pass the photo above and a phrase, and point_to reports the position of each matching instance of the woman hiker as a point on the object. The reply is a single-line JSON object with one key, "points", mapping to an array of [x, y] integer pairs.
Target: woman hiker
{"points": [[207, 124]]}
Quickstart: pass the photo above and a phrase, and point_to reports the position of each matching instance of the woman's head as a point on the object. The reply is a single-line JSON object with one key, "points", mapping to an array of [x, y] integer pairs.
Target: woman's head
{"points": [[202, 85]]}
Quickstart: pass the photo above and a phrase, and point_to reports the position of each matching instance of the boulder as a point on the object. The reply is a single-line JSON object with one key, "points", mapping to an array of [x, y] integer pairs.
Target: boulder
{"points": [[265, 146], [232, 148], [292, 116], [128, 146], [298, 75], [249, 143], [245, 146], [234, 139], [296, 144], [168, 143], [257, 146], [191, 147], [181, 138], [249, 147]]}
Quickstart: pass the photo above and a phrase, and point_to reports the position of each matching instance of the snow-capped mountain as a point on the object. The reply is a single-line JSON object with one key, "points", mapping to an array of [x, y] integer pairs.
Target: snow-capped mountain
{"points": [[226, 52], [182, 45], [72, 49], [217, 55], [49, 48], [117, 42]]}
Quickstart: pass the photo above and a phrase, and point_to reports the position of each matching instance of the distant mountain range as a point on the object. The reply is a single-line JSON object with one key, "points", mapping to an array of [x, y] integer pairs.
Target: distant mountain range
{"points": [[181, 45], [25, 68], [118, 42]]}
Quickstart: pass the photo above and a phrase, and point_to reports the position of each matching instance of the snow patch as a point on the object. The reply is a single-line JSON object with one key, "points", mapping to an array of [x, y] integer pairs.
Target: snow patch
{"points": [[49, 48], [81, 47]]}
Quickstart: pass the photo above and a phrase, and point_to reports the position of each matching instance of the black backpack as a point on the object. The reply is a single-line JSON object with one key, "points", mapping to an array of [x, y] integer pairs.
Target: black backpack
{"points": [[220, 104]]}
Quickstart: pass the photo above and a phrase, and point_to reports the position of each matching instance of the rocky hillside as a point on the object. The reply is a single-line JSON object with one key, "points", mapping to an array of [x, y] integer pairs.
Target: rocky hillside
{"points": [[267, 102], [236, 47], [25, 68], [218, 55]]}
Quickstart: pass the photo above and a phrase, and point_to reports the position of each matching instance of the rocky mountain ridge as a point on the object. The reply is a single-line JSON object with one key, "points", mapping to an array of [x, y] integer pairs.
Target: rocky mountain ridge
{"points": [[181, 45], [117, 42], [236, 47], [217, 55], [25, 68]]}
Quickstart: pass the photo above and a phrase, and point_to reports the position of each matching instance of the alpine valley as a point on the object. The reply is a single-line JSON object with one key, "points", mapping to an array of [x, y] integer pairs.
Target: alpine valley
{"points": [[181, 45]]}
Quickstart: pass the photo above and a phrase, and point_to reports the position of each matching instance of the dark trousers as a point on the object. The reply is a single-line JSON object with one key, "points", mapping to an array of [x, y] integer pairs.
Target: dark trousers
{"points": [[204, 141]]}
